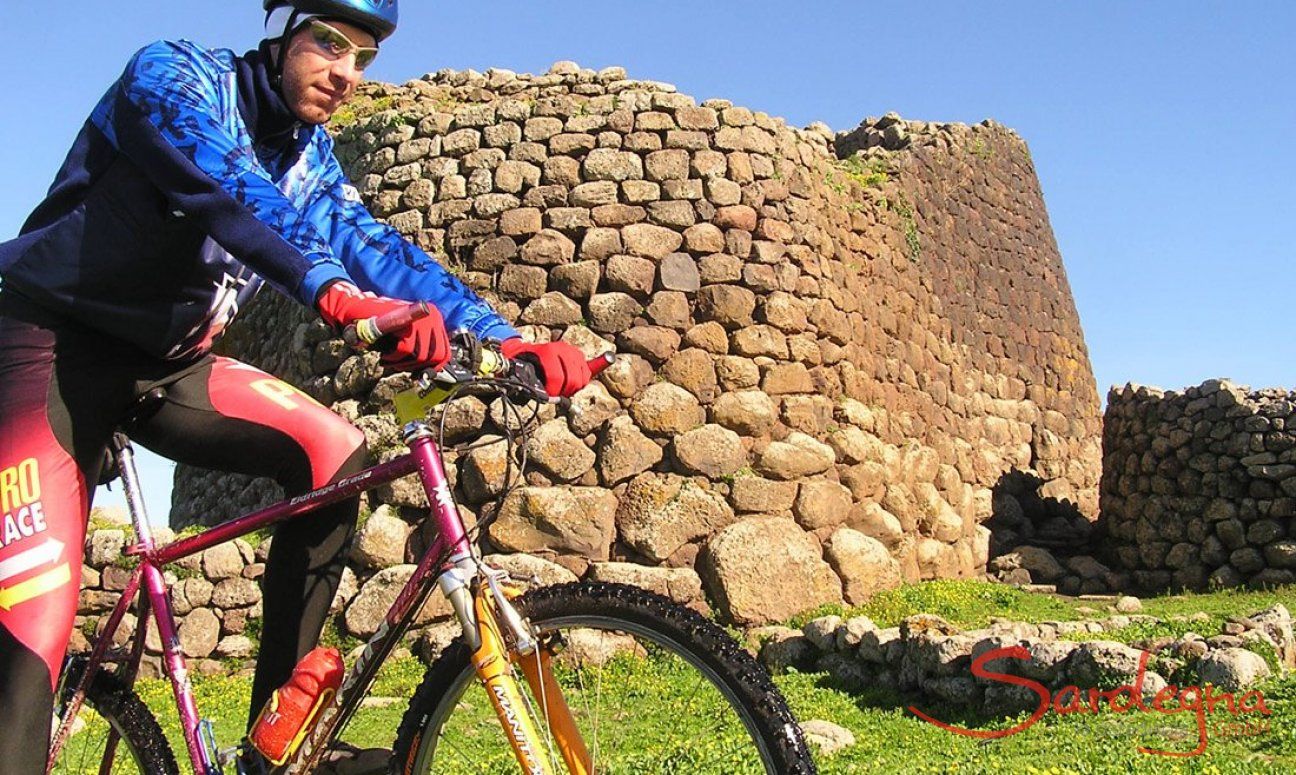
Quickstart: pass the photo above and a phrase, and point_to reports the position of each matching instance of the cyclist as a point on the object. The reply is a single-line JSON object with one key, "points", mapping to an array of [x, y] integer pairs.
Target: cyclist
{"points": [[199, 174]]}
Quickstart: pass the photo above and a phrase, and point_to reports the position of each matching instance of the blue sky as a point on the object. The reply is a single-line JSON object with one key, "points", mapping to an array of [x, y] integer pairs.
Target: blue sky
{"points": [[1163, 132]]}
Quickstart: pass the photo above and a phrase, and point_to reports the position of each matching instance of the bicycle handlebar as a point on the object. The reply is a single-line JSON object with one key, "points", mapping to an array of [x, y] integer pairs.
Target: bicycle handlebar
{"points": [[525, 371], [364, 333]]}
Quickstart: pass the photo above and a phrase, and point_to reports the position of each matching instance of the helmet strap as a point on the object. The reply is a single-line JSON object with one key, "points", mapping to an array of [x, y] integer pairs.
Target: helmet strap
{"points": [[282, 54]]}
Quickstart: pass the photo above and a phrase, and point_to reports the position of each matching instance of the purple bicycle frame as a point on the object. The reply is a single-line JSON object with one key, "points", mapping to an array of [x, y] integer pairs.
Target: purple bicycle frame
{"points": [[451, 540]]}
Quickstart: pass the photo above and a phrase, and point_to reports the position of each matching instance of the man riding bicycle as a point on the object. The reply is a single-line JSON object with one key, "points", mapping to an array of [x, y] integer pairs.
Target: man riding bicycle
{"points": [[199, 175]]}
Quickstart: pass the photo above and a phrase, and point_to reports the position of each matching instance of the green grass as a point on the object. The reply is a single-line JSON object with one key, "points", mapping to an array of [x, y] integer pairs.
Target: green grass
{"points": [[913, 242], [869, 173], [965, 604], [1233, 602], [224, 700], [888, 737]]}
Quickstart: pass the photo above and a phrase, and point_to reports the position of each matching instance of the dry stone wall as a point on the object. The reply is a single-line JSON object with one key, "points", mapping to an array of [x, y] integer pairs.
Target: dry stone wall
{"points": [[835, 348], [929, 659], [1199, 485], [217, 594]]}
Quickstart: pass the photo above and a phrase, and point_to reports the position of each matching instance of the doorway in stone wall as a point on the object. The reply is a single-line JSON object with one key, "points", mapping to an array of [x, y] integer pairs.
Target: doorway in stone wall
{"points": [[1036, 539]]}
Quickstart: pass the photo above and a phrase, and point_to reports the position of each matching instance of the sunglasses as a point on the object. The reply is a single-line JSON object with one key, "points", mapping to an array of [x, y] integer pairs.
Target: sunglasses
{"points": [[338, 45]]}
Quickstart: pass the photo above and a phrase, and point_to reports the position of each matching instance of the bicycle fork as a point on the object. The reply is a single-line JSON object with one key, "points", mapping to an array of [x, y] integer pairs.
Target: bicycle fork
{"points": [[494, 661]]}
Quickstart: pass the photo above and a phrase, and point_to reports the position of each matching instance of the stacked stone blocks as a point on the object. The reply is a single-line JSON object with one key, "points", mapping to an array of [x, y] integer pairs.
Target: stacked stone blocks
{"points": [[823, 374], [1199, 485]]}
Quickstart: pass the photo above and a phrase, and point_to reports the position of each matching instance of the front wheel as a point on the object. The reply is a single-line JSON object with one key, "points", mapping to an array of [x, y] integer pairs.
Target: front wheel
{"points": [[653, 686], [113, 723]]}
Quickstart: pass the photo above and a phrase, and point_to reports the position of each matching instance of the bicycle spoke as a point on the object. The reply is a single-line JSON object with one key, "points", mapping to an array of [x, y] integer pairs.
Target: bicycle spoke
{"points": [[647, 695], [544, 704]]}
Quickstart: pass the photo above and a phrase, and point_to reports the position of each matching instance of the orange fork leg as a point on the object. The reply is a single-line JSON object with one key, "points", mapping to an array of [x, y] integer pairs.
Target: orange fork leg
{"points": [[547, 691], [493, 668]]}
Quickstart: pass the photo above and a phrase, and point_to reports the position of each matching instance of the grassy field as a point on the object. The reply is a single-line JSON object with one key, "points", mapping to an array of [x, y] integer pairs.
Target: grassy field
{"points": [[889, 737]]}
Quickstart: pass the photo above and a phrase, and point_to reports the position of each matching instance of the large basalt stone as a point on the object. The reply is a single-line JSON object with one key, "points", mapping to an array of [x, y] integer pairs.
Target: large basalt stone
{"points": [[556, 451], [711, 451], [484, 468], [667, 410], [235, 593], [694, 370], [650, 241], [876, 522], [1041, 564], [565, 520], [548, 248], [799, 456], [1103, 664], [659, 513], [105, 546], [864, 564], [683, 585], [821, 503], [199, 633], [222, 561], [1232, 669], [611, 164], [728, 305], [591, 408], [380, 543], [625, 452], [755, 494], [748, 412], [529, 568], [365, 613], [766, 570]]}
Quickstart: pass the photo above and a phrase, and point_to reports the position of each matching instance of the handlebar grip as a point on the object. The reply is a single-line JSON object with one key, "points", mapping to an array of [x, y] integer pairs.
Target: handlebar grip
{"points": [[600, 362], [365, 332]]}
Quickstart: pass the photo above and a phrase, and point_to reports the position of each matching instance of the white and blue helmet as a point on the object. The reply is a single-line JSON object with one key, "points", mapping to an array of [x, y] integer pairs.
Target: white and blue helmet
{"points": [[379, 17]]}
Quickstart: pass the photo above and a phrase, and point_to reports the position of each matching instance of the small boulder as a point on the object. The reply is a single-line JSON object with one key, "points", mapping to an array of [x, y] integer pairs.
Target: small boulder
{"points": [[381, 541], [1232, 669], [827, 737]]}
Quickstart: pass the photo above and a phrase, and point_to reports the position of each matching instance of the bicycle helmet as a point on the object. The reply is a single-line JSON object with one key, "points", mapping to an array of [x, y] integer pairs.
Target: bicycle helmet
{"points": [[380, 17]]}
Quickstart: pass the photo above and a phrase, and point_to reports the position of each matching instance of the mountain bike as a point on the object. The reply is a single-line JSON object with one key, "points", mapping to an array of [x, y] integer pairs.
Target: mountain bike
{"points": [[577, 678]]}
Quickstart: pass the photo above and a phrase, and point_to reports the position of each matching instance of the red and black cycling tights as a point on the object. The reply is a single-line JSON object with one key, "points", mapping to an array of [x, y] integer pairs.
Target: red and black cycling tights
{"points": [[63, 390]]}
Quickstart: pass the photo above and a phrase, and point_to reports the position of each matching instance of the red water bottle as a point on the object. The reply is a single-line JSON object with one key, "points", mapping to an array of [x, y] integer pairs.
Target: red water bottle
{"points": [[292, 710]]}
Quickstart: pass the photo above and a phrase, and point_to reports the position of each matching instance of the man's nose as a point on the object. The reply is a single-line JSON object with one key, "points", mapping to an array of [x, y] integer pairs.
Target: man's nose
{"points": [[344, 69]]}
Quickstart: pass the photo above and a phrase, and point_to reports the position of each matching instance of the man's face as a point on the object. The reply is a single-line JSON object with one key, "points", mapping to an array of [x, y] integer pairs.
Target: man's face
{"points": [[315, 81]]}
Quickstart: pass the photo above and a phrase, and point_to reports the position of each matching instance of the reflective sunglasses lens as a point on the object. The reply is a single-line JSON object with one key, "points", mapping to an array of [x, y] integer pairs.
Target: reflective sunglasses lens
{"points": [[330, 38], [365, 57]]}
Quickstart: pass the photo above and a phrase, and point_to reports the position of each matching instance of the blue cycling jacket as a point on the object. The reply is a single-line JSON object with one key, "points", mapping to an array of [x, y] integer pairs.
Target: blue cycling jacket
{"points": [[191, 182]]}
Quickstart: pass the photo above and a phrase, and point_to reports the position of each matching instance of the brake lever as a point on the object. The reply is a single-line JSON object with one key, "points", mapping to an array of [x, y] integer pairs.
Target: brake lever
{"points": [[524, 372]]}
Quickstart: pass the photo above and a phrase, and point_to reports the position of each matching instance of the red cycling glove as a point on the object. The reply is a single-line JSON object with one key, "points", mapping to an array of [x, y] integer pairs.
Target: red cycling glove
{"points": [[423, 344], [562, 366]]}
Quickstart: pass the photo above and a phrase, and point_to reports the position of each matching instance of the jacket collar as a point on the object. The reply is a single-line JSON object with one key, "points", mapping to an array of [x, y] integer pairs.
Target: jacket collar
{"points": [[260, 102]]}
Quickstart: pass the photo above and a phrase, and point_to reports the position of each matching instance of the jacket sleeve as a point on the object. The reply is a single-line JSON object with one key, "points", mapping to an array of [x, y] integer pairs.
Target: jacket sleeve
{"points": [[380, 260], [174, 116]]}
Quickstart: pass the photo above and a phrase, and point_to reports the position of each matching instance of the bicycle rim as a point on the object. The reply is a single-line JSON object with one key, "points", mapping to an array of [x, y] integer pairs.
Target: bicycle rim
{"points": [[83, 753], [109, 706], [644, 702]]}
